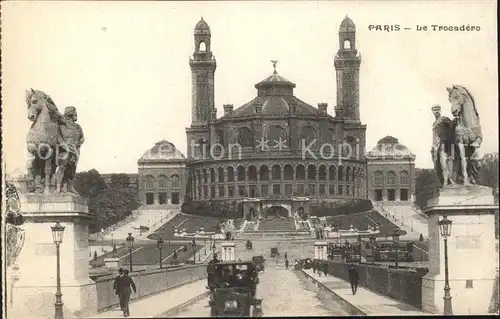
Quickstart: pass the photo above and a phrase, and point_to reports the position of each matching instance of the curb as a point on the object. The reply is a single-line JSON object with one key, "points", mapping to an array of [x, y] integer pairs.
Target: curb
{"points": [[353, 310], [171, 312]]}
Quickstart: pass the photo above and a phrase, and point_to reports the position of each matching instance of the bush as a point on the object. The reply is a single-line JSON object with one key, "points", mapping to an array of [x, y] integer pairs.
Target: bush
{"points": [[340, 207]]}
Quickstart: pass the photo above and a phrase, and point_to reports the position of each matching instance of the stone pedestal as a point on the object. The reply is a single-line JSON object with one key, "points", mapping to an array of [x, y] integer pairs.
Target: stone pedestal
{"points": [[112, 262], [321, 250], [34, 293], [228, 251], [471, 250]]}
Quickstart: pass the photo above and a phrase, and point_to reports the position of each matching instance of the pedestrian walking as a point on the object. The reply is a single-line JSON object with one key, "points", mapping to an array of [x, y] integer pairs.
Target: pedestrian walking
{"points": [[115, 284], [314, 266], [325, 268], [124, 287], [353, 278], [286, 256], [286, 263]]}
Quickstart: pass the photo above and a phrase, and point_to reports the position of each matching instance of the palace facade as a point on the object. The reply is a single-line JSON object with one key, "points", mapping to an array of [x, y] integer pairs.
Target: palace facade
{"points": [[273, 146]]}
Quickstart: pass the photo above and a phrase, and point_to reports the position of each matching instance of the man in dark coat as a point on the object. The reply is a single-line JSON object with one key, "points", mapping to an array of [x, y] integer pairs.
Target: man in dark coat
{"points": [[325, 268], [353, 278], [115, 283], [123, 290]]}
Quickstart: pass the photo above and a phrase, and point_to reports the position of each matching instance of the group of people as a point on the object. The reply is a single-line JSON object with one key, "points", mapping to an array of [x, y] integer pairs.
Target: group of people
{"points": [[123, 286]]}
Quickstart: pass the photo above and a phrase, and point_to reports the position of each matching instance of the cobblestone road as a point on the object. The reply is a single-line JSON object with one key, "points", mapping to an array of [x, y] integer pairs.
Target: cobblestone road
{"points": [[284, 293]]}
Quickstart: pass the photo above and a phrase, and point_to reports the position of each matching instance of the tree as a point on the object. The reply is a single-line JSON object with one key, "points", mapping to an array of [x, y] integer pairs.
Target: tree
{"points": [[89, 184], [109, 204], [427, 185], [120, 180], [488, 171]]}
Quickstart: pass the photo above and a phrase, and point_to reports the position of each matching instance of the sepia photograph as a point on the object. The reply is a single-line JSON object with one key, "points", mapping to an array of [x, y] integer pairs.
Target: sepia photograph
{"points": [[183, 159]]}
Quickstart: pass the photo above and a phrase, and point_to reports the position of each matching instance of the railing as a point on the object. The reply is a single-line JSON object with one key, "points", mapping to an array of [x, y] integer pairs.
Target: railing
{"points": [[148, 282], [404, 284]]}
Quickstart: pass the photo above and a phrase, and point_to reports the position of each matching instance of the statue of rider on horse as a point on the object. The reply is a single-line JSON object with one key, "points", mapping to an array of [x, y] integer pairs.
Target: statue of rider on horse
{"points": [[456, 142], [53, 141]]}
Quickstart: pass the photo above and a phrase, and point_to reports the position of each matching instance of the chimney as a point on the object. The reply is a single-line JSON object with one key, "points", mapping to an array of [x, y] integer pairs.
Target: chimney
{"points": [[323, 107], [228, 109]]}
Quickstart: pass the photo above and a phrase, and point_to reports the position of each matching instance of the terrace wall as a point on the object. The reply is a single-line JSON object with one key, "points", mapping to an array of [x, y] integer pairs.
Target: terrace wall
{"points": [[404, 284], [148, 282]]}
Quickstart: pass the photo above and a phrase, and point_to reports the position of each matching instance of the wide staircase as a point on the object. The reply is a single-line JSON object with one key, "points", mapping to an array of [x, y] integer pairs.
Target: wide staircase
{"points": [[275, 227], [406, 216]]}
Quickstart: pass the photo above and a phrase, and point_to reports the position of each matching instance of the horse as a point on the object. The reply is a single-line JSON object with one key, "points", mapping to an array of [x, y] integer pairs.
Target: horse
{"points": [[467, 131], [42, 139]]}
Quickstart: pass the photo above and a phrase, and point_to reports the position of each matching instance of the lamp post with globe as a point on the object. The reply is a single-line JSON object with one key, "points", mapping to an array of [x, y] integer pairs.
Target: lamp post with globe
{"points": [[445, 230], [57, 235], [130, 245]]}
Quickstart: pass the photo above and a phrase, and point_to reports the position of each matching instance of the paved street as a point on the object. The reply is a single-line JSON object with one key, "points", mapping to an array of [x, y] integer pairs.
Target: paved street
{"points": [[283, 294]]}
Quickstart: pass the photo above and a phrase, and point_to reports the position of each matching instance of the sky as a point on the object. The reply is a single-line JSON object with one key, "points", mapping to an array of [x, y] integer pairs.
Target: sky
{"points": [[124, 65]]}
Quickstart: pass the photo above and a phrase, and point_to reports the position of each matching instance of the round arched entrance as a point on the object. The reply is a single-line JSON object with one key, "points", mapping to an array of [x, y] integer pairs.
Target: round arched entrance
{"points": [[276, 211]]}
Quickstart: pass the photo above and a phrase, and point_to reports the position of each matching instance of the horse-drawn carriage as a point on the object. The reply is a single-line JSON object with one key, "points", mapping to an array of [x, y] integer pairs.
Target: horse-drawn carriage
{"points": [[249, 245], [233, 287], [274, 252]]}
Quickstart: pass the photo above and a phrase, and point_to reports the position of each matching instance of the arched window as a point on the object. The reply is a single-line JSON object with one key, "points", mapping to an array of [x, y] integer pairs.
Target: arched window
{"points": [[264, 173], [245, 137], [220, 171], [391, 178], [300, 172], [348, 173], [288, 172], [149, 182], [332, 173], [162, 182], [276, 172], [404, 178], [230, 174], [202, 47], [241, 173], [252, 173], [347, 45], [378, 179], [341, 173], [349, 147], [311, 172], [205, 176], [307, 136], [322, 173], [220, 137], [276, 136], [175, 181], [212, 175]]}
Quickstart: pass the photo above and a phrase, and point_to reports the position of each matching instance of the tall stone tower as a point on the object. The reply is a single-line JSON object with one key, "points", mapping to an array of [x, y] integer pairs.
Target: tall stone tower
{"points": [[347, 62], [203, 67]]}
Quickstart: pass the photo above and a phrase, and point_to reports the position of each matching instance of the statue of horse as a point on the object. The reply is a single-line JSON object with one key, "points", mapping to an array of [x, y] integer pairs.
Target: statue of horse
{"points": [[43, 139], [467, 133]]}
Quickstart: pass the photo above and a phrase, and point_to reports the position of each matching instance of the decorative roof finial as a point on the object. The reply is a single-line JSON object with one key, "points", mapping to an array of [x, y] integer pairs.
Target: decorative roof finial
{"points": [[274, 62]]}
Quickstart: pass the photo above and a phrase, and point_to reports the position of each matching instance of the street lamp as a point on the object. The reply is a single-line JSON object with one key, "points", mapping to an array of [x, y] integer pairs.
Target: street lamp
{"points": [[205, 244], [445, 230], [130, 245], [193, 244], [395, 238], [57, 235], [373, 241], [160, 248]]}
